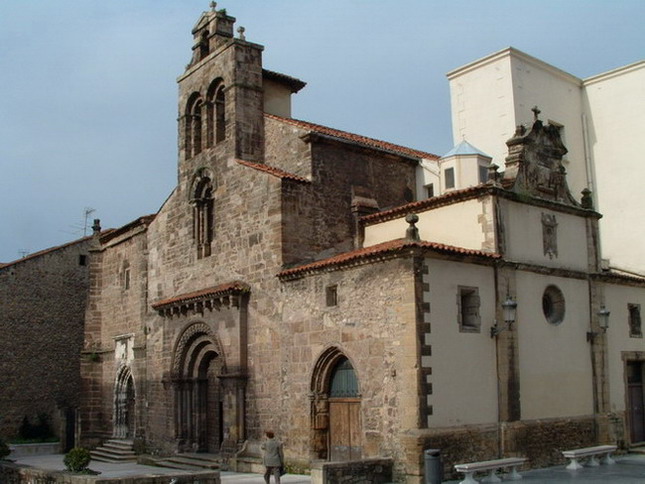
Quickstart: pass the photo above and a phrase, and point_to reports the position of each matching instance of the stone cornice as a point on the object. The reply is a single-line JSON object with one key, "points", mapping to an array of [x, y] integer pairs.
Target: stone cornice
{"points": [[227, 294], [470, 193]]}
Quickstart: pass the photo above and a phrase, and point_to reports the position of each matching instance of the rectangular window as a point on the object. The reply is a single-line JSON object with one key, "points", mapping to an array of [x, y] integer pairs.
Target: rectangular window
{"points": [[429, 190], [449, 177], [331, 293], [468, 303], [82, 260], [483, 173], [126, 278], [635, 328]]}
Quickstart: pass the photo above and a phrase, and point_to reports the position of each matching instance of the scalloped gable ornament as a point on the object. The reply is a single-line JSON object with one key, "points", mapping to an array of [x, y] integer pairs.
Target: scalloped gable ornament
{"points": [[534, 163]]}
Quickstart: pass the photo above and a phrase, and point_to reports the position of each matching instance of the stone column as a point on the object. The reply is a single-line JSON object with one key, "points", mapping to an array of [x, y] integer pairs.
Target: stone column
{"points": [[234, 418]]}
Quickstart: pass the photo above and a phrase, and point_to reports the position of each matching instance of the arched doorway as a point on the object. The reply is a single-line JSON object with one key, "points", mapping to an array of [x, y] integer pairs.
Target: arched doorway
{"points": [[124, 404], [336, 408], [198, 395]]}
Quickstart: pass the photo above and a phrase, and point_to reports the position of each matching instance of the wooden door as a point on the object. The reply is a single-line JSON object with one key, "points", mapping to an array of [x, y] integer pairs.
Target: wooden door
{"points": [[344, 429], [636, 401]]}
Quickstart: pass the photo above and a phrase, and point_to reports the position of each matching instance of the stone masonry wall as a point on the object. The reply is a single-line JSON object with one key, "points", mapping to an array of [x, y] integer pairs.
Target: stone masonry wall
{"points": [[373, 325], [115, 330], [320, 223], [42, 305], [245, 247]]}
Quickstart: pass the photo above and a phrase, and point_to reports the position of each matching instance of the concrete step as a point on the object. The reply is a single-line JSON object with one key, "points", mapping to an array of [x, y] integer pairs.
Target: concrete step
{"points": [[100, 454], [117, 454], [190, 461], [203, 463], [212, 459], [115, 451], [112, 460], [119, 444], [176, 465]]}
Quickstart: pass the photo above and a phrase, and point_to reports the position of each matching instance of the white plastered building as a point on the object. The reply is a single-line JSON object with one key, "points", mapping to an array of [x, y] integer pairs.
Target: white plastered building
{"points": [[602, 118]]}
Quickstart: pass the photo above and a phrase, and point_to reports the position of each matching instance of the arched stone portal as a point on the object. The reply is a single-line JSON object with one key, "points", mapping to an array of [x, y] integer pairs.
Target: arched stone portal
{"points": [[124, 404], [336, 408], [197, 366]]}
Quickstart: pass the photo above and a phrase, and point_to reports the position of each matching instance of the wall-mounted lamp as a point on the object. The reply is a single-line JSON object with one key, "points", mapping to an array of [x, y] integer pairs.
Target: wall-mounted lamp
{"points": [[510, 313], [603, 322]]}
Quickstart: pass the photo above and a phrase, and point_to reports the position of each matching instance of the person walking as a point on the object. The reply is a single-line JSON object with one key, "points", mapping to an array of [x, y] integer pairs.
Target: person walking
{"points": [[272, 457]]}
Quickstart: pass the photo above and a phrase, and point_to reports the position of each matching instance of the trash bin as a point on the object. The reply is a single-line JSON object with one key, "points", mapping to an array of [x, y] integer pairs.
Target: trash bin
{"points": [[432, 466]]}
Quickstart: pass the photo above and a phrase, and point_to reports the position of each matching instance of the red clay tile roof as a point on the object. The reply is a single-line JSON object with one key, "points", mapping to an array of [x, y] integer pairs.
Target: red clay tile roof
{"points": [[271, 170], [421, 205], [379, 252], [291, 82], [234, 287], [355, 138]]}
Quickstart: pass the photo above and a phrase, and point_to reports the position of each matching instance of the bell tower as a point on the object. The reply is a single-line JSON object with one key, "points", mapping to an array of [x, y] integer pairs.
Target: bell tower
{"points": [[220, 97]]}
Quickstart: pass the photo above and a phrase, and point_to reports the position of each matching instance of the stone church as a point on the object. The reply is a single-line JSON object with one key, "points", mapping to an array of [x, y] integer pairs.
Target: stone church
{"points": [[301, 279]]}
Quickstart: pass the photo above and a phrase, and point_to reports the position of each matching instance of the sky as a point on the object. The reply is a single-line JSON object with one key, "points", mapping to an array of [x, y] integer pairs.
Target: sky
{"points": [[88, 111]]}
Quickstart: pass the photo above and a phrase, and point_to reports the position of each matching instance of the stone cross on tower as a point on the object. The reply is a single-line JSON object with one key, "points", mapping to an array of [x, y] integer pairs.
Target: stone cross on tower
{"points": [[536, 113]]}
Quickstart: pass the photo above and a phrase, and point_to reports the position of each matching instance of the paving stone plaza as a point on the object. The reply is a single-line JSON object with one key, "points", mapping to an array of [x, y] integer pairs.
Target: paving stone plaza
{"points": [[629, 469]]}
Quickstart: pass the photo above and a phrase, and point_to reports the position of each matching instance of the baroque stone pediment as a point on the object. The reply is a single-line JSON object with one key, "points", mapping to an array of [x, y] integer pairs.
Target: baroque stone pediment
{"points": [[225, 295], [534, 163]]}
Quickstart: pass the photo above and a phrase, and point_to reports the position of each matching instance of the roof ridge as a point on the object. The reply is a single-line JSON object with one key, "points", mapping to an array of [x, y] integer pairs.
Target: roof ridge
{"points": [[48, 250], [426, 203], [382, 249], [358, 138], [272, 170]]}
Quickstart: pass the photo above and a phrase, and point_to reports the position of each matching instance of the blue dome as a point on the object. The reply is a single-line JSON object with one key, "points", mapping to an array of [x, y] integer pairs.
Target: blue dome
{"points": [[465, 148]]}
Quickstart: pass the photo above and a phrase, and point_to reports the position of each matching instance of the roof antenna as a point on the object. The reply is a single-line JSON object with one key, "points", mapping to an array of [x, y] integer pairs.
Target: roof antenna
{"points": [[88, 211]]}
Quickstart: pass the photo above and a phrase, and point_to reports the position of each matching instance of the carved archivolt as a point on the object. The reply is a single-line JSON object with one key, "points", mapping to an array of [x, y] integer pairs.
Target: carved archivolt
{"points": [[185, 346], [323, 369]]}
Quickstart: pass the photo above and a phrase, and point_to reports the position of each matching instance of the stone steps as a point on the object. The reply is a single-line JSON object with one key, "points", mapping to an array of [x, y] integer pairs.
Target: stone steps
{"points": [[114, 451], [190, 461]]}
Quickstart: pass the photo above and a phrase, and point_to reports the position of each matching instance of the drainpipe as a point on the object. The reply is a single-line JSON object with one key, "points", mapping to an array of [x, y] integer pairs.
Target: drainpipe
{"points": [[587, 153]]}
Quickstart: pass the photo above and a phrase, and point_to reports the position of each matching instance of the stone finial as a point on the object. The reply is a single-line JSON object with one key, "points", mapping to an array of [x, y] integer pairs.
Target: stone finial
{"points": [[493, 174], [213, 6], [520, 130], [412, 232], [536, 112], [240, 30], [96, 227], [586, 201]]}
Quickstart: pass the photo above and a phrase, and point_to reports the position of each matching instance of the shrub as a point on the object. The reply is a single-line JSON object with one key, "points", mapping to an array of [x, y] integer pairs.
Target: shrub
{"points": [[4, 450], [77, 459]]}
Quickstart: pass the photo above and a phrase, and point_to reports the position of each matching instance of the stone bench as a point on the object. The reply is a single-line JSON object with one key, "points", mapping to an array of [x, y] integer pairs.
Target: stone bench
{"points": [[492, 466], [591, 453]]}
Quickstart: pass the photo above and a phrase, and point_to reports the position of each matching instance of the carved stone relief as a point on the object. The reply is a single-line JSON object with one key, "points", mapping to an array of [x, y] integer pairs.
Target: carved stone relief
{"points": [[550, 235]]}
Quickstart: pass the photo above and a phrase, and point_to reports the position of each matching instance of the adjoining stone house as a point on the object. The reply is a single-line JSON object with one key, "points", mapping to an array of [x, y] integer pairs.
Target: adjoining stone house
{"points": [[43, 300], [297, 279]]}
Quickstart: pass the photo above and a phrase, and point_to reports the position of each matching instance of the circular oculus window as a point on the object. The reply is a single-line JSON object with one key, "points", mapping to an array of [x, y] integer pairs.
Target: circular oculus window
{"points": [[553, 304]]}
